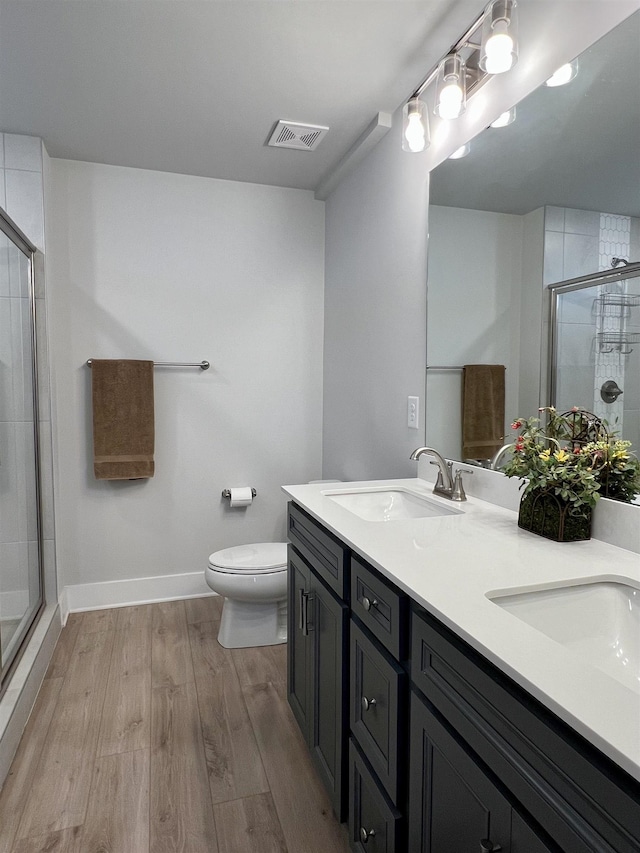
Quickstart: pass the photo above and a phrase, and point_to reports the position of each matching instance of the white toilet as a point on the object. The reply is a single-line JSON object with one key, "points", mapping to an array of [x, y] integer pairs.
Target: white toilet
{"points": [[253, 580]]}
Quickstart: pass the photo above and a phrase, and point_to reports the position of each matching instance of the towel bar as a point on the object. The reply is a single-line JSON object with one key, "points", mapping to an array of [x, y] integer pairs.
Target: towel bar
{"points": [[203, 365], [443, 367]]}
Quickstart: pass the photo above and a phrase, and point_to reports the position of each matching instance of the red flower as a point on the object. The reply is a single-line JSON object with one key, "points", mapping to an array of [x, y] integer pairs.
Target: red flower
{"points": [[516, 425]]}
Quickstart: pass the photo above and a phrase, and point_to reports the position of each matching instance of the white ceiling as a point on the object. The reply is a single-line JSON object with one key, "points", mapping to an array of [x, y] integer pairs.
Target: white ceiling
{"points": [[196, 87]]}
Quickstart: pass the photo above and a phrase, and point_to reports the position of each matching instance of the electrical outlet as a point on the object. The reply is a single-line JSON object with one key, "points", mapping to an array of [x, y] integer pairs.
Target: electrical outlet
{"points": [[413, 412]]}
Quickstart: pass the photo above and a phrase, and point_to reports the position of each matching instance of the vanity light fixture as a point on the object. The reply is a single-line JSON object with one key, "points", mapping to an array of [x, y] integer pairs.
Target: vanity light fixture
{"points": [[451, 87], [565, 74], [505, 119], [464, 68], [499, 50], [461, 152], [415, 126]]}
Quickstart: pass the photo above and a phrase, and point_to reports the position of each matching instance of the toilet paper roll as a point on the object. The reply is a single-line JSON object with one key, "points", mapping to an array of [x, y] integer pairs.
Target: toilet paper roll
{"points": [[241, 496]]}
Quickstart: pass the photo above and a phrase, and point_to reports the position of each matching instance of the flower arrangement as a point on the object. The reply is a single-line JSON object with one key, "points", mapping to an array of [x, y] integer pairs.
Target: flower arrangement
{"points": [[574, 457]]}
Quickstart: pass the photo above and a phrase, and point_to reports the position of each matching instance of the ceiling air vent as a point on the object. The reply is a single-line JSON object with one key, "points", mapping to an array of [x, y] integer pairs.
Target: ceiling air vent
{"points": [[304, 137]]}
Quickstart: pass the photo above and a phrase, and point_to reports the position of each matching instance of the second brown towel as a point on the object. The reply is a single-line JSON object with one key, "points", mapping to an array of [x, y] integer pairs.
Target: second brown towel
{"points": [[482, 410], [123, 419]]}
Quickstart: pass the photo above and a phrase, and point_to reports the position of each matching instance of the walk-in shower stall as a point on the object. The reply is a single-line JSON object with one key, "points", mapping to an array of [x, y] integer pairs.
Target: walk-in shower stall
{"points": [[21, 579], [595, 347]]}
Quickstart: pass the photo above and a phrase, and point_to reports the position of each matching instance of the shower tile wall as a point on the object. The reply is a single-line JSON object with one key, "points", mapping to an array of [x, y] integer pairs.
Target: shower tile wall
{"points": [[577, 243], [21, 196]]}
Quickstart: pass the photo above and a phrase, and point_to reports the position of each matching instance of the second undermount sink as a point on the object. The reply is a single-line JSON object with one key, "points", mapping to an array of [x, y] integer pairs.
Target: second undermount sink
{"points": [[599, 621], [388, 504]]}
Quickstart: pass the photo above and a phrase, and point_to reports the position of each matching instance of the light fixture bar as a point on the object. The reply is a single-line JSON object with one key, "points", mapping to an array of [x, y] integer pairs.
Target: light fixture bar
{"points": [[462, 42]]}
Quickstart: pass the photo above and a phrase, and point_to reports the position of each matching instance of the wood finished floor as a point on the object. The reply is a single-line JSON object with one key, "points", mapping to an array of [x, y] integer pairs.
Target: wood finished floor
{"points": [[148, 737]]}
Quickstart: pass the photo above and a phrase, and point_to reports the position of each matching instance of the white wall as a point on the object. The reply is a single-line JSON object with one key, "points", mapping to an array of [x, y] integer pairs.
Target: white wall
{"points": [[375, 305], [145, 264], [375, 315]]}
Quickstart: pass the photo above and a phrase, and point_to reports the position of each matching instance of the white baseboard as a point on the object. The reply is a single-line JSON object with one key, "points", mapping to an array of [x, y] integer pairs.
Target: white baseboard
{"points": [[123, 593]]}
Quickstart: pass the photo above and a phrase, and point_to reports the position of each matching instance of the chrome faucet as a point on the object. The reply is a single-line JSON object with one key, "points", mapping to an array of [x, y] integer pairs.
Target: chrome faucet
{"points": [[446, 486], [497, 457]]}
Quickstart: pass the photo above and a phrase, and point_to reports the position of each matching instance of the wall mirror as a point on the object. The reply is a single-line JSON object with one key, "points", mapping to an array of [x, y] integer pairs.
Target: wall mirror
{"points": [[548, 198]]}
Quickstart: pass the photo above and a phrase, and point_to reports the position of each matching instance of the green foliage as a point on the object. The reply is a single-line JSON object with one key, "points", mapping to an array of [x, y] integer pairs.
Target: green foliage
{"points": [[555, 458]]}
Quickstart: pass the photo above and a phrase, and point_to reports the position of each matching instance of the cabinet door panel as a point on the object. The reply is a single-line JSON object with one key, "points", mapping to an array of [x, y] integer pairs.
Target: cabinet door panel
{"points": [[374, 823], [453, 805], [329, 632], [377, 706], [299, 643], [524, 839]]}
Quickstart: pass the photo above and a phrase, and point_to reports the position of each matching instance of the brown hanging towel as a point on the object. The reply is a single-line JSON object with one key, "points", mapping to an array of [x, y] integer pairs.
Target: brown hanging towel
{"points": [[123, 424], [482, 410]]}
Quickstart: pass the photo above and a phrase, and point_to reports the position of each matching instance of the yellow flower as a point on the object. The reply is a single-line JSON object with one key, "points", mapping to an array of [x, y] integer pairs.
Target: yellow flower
{"points": [[545, 454], [561, 455]]}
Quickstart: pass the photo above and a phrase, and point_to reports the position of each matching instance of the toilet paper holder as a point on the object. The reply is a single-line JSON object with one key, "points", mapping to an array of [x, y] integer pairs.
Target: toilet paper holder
{"points": [[226, 493]]}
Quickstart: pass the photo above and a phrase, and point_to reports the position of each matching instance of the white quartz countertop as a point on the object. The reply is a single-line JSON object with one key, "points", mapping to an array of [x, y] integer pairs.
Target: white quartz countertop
{"points": [[449, 564]]}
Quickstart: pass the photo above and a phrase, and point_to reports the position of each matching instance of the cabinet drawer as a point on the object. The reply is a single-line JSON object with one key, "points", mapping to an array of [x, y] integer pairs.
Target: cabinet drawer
{"points": [[324, 553], [377, 708], [577, 795], [375, 825], [381, 607]]}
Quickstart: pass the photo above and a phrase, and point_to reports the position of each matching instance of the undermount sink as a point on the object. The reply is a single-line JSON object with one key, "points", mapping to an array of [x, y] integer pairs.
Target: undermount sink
{"points": [[599, 621], [388, 504]]}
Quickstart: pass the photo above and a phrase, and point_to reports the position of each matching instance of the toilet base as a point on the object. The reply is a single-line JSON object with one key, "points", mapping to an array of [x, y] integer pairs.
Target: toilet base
{"points": [[246, 624]]}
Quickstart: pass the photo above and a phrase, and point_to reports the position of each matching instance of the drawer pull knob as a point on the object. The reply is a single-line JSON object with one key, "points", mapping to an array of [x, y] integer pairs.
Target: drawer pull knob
{"points": [[368, 703], [487, 846], [365, 836], [367, 603]]}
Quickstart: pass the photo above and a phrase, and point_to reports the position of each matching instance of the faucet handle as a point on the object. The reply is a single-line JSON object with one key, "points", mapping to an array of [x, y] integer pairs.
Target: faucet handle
{"points": [[458, 493]]}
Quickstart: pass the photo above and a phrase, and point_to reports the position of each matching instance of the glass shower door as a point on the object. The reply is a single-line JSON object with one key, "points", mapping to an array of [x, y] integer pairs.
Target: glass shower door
{"points": [[20, 541]]}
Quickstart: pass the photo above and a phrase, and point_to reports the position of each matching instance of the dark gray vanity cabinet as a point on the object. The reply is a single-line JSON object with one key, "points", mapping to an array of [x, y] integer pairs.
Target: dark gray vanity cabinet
{"points": [[317, 650], [564, 794], [454, 804], [432, 747]]}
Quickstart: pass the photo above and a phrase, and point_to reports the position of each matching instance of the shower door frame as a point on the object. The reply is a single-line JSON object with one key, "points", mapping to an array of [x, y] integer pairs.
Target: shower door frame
{"points": [[22, 242], [559, 289]]}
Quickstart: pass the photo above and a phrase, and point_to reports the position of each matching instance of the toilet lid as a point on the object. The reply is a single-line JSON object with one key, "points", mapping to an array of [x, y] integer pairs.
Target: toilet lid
{"points": [[254, 558]]}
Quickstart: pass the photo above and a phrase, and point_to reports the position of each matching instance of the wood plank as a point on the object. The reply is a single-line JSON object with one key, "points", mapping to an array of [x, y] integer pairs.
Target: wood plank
{"points": [[249, 825], [232, 755], [181, 813], [23, 768], [171, 653], [63, 841], [126, 715], [58, 798], [98, 620], [310, 825], [59, 662], [262, 664], [117, 815], [121, 783], [207, 609]]}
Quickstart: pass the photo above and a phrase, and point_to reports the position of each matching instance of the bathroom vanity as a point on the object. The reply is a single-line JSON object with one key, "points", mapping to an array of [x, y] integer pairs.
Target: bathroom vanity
{"points": [[440, 712]]}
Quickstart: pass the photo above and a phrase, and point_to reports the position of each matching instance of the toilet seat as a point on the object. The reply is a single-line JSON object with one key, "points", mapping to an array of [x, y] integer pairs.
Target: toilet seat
{"points": [[256, 559]]}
